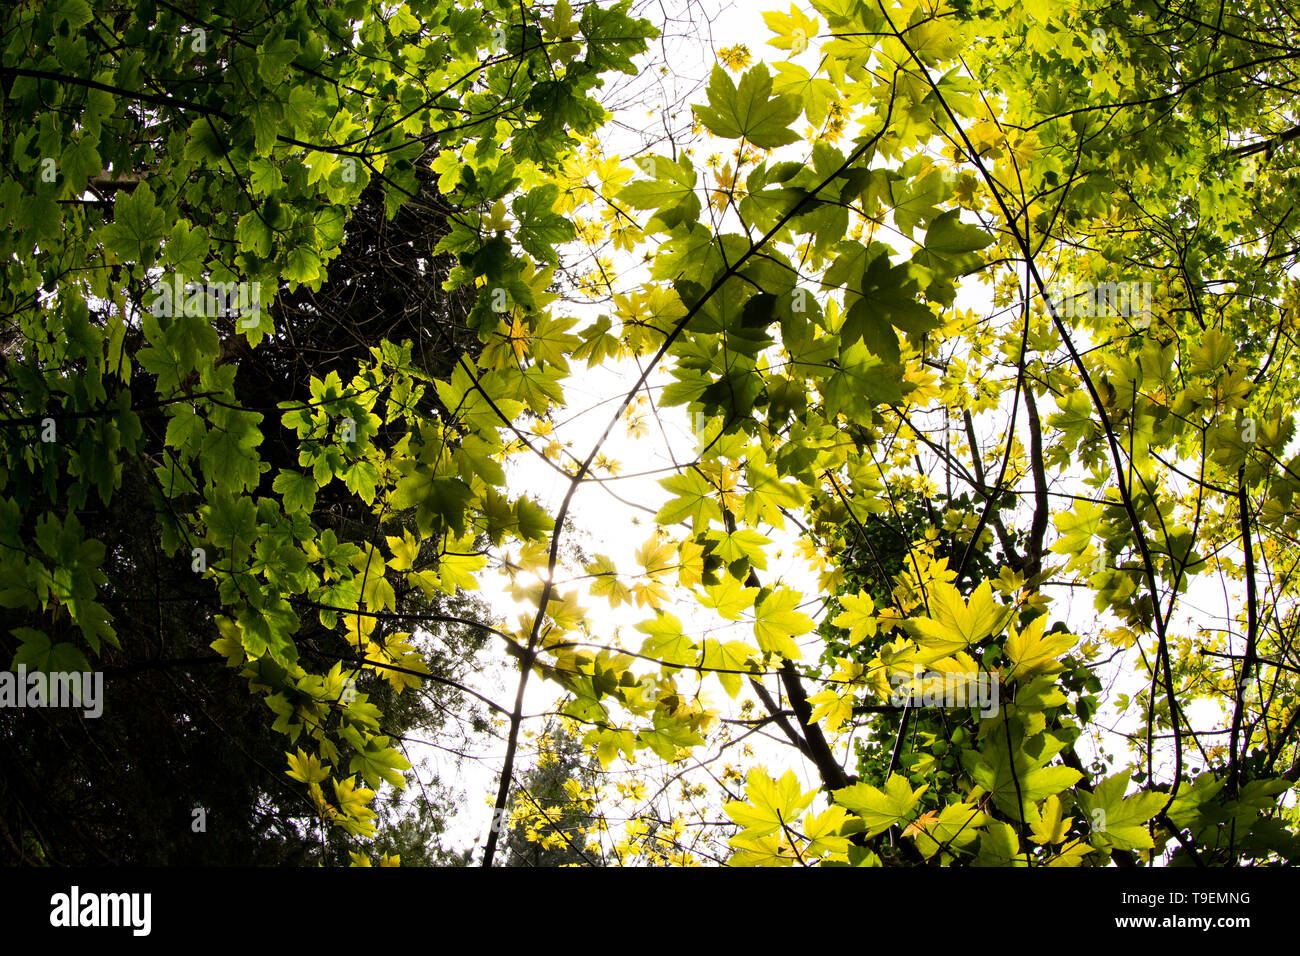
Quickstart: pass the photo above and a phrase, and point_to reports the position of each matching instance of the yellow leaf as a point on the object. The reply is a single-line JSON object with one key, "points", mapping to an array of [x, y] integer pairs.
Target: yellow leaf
{"points": [[770, 805], [657, 557], [726, 660], [690, 568], [770, 850], [1071, 854], [607, 583], [456, 570], [727, 597], [830, 708], [735, 57], [880, 810], [1050, 827], [824, 832], [857, 617], [776, 622], [405, 549], [954, 625], [306, 768], [230, 642], [1030, 653], [793, 31]]}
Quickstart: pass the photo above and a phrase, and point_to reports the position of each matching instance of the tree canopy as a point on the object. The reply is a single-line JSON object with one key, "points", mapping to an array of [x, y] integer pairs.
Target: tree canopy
{"points": [[982, 317]]}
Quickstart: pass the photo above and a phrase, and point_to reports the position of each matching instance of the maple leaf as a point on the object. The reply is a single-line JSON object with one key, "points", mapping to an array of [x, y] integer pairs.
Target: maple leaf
{"points": [[727, 597], [770, 804], [857, 617], [879, 810], [954, 625], [776, 622], [1030, 653], [306, 768]]}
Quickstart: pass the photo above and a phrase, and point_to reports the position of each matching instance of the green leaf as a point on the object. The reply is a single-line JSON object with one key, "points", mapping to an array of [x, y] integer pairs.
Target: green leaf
{"points": [[751, 111], [37, 652], [743, 543], [185, 431], [137, 228], [274, 57], [533, 520], [776, 623], [187, 249], [79, 162], [75, 13], [880, 810], [666, 641], [694, 500], [540, 228], [1031, 780], [671, 192], [729, 599], [999, 846], [269, 630], [607, 29], [1118, 819], [303, 265], [204, 143], [950, 245], [297, 490]]}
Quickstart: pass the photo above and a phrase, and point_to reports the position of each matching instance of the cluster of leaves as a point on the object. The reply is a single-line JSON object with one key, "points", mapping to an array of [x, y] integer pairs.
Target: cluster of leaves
{"points": [[553, 812], [801, 302], [298, 474], [828, 366]]}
